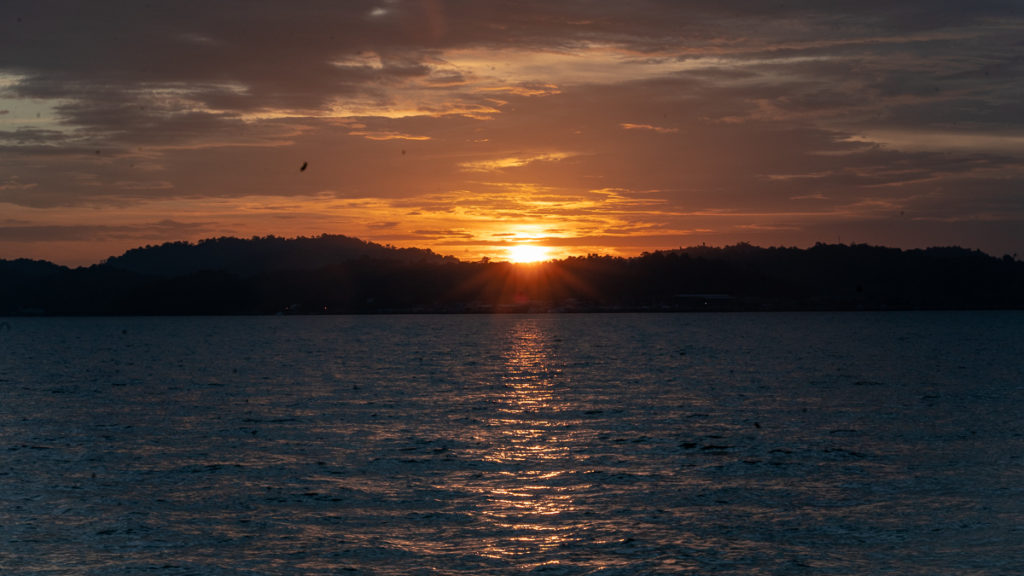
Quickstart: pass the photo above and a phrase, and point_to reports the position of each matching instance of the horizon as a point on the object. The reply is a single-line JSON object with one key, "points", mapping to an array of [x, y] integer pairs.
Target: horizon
{"points": [[528, 257], [521, 131]]}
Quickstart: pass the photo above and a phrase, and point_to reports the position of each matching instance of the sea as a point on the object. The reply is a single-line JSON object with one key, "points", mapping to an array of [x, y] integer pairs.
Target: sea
{"points": [[705, 443]]}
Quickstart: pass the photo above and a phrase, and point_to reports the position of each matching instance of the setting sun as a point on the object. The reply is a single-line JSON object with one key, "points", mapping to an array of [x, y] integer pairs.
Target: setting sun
{"points": [[525, 253]]}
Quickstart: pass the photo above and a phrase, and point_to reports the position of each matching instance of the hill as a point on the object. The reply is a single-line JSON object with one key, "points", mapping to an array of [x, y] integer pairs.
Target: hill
{"points": [[259, 255]]}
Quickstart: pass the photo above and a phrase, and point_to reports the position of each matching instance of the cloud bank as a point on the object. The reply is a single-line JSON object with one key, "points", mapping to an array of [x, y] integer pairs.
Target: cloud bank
{"points": [[595, 127]]}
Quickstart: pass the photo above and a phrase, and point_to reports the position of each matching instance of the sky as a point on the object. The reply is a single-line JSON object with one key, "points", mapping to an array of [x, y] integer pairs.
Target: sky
{"points": [[473, 127]]}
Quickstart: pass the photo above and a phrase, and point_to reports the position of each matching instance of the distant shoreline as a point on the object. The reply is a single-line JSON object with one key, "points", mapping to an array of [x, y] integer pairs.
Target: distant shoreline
{"points": [[340, 275], [530, 312]]}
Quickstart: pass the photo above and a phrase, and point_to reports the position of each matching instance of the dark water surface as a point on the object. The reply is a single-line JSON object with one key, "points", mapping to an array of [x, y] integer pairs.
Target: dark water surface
{"points": [[853, 443]]}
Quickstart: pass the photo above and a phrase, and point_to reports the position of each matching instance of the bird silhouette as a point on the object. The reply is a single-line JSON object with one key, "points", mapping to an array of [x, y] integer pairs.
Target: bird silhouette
{"points": [[304, 164]]}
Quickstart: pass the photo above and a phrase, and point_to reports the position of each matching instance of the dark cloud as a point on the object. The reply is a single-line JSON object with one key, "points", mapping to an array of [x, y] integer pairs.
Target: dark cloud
{"points": [[23, 136], [150, 231], [443, 233]]}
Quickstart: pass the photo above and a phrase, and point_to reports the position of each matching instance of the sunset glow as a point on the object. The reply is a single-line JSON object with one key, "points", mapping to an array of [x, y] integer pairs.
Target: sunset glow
{"points": [[444, 126]]}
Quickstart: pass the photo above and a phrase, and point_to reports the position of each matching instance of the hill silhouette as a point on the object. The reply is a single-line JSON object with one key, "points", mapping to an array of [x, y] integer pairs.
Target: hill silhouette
{"points": [[339, 274], [259, 255]]}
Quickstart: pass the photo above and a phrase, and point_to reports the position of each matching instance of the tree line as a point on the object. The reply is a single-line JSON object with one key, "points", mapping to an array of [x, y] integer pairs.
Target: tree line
{"points": [[333, 274]]}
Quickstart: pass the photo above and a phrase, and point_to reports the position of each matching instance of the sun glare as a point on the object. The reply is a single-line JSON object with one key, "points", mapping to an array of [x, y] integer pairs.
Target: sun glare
{"points": [[525, 253]]}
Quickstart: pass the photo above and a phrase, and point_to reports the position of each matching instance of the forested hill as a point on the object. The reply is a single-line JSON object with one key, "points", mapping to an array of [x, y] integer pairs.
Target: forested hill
{"points": [[336, 274], [260, 255]]}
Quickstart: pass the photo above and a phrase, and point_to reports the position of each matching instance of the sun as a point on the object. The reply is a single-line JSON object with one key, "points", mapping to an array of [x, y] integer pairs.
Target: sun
{"points": [[525, 253]]}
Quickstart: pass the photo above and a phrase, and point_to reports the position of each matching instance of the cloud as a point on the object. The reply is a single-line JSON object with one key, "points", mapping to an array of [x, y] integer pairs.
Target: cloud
{"points": [[648, 127], [15, 184], [386, 135], [943, 141], [446, 234], [601, 116], [142, 232], [511, 162]]}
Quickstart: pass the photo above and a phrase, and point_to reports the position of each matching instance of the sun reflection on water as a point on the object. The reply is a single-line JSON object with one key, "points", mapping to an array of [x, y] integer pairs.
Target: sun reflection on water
{"points": [[530, 497]]}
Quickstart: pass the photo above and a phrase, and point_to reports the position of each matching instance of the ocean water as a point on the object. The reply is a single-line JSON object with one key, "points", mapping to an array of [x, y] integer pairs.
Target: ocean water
{"points": [[803, 443]]}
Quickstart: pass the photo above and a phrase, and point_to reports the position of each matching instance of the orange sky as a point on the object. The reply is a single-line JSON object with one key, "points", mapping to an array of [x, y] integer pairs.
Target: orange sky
{"points": [[471, 127]]}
